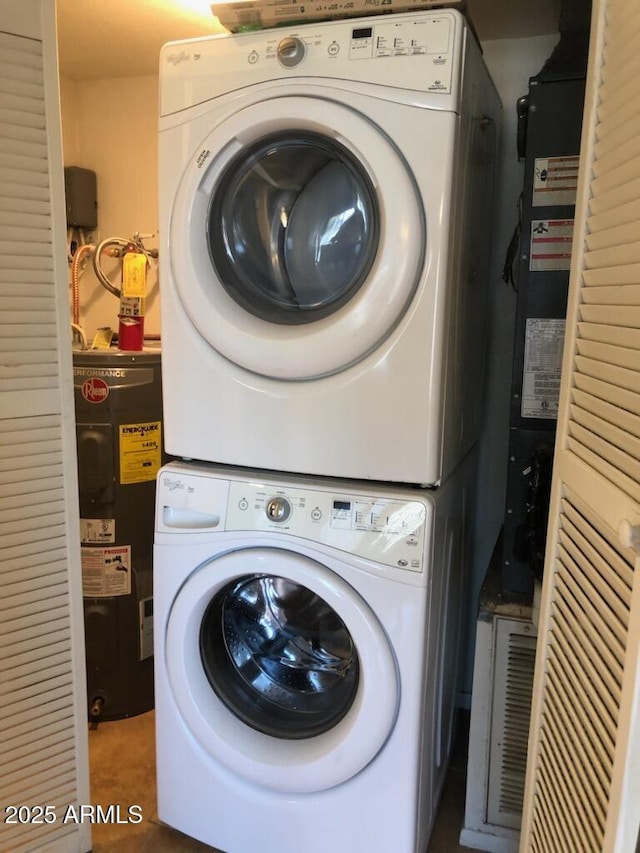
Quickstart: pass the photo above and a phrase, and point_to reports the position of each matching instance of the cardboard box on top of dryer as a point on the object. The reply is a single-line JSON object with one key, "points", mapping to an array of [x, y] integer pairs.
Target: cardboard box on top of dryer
{"points": [[259, 14]]}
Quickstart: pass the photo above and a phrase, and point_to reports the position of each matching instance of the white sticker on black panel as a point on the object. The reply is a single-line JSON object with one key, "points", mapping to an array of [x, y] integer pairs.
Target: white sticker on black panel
{"points": [[106, 572], [544, 341], [551, 244], [97, 530], [555, 181]]}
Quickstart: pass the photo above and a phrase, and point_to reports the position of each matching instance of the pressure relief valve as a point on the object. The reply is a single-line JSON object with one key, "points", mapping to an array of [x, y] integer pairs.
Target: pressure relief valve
{"points": [[134, 287]]}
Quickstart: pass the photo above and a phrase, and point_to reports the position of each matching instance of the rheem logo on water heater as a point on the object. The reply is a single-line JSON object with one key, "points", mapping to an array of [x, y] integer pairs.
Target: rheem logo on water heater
{"points": [[95, 390]]}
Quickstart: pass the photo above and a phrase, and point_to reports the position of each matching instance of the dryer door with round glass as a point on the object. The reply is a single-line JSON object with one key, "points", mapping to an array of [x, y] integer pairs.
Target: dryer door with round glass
{"points": [[293, 228], [296, 237], [275, 663]]}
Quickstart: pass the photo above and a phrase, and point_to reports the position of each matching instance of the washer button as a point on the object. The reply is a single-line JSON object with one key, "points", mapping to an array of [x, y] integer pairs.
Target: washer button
{"points": [[333, 49], [243, 504], [316, 513], [253, 57]]}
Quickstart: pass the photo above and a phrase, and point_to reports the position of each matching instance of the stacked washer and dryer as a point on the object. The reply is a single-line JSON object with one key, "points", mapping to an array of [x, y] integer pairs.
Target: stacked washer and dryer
{"points": [[325, 199]]}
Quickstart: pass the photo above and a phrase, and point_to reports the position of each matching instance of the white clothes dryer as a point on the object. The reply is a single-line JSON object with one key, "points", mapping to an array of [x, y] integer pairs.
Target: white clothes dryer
{"points": [[325, 200], [306, 638]]}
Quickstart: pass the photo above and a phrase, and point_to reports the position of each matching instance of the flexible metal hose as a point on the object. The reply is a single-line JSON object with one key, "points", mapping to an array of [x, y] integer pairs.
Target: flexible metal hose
{"points": [[81, 252], [120, 243]]}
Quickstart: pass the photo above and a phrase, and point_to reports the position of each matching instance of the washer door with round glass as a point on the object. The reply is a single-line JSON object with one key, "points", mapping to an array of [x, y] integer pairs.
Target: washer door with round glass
{"points": [[278, 666], [296, 237]]}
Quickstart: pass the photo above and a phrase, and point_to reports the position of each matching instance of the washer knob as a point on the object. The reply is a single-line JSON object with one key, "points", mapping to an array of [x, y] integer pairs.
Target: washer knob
{"points": [[291, 51], [278, 509]]}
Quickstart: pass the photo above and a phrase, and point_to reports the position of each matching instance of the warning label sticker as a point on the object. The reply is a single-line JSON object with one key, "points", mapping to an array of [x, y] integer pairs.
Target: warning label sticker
{"points": [[140, 452], [134, 274], [94, 530], [555, 180], [544, 340], [551, 244], [106, 571]]}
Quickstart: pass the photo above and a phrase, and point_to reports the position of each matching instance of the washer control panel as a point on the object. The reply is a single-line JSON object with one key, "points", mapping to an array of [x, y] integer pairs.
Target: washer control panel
{"points": [[376, 528], [380, 529]]}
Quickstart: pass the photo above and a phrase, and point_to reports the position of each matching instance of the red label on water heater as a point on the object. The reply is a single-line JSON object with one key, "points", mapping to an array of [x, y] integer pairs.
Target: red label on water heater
{"points": [[95, 390]]}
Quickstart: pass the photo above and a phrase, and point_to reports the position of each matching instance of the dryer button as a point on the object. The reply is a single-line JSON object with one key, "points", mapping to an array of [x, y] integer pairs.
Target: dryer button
{"points": [[291, 52]]}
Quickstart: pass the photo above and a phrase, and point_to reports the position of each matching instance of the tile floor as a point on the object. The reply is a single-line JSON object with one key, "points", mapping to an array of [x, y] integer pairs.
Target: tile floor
{"points": [[122, 763]]}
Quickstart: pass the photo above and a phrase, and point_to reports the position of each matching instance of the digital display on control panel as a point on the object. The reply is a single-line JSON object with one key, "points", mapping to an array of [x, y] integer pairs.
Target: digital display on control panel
{"points": [[346, 505], [362, 33]]}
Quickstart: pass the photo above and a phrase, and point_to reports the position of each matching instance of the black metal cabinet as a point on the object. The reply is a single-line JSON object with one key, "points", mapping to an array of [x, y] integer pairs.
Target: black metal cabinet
{"points": [[553, 119]]}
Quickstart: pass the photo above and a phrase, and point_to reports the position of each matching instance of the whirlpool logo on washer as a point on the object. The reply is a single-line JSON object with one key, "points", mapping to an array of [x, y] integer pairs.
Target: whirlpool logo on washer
{"points": [[174, 484]]}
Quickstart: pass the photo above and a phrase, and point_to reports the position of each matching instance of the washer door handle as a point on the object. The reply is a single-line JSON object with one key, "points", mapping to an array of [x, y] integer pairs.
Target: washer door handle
{"points": [[188, 519]]}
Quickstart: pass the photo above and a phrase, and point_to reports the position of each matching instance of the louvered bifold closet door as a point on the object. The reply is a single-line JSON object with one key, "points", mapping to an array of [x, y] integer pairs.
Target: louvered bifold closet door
{"points": [[43, 730], [583, 777]]}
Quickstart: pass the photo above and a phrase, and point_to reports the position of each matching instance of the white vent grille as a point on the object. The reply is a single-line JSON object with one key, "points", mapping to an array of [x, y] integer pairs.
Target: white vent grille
{"points": [[514, 663], [27, 289], [585, 655], [520, 666]]}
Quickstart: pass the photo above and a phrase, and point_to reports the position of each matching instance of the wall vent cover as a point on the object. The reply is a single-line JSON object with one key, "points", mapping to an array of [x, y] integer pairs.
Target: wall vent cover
{"points": [[514, 664]]}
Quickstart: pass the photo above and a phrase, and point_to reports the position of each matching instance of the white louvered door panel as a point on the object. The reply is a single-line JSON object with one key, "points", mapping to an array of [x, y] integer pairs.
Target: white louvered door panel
{"points": [[583, 776], [43, 730]]}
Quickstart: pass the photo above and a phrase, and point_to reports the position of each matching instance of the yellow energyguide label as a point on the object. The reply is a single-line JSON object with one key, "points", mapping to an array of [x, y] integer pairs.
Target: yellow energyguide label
{"points": [[140, 452]]}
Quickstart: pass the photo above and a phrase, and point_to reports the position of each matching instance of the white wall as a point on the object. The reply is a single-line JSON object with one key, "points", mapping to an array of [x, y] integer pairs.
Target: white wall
{"points": [[110, 126], [511, 63], [68, 108]]}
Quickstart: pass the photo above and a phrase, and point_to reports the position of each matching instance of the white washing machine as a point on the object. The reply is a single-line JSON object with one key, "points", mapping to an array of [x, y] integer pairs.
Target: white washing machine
{"points": [[306, 641], [325, 207]]}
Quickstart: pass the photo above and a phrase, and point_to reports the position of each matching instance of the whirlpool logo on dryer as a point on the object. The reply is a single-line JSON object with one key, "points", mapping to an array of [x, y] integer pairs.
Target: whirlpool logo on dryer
{"points": [[177, 58]]}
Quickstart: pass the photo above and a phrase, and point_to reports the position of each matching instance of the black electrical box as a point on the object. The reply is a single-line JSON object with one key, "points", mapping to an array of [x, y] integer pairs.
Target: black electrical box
{"points": [[80, 190], [549, 129]]}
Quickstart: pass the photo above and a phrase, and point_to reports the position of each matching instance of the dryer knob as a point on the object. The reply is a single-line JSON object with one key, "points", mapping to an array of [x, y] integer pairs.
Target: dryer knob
{"points": [[291, 51]]}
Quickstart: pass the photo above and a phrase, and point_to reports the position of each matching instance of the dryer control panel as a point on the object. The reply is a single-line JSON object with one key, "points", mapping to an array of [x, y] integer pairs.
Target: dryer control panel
{"points": [[418, 52], [380, 529]]}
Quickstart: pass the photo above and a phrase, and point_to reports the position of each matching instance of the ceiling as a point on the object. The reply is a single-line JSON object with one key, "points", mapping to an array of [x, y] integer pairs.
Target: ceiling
{"points": [[122, 38]]}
